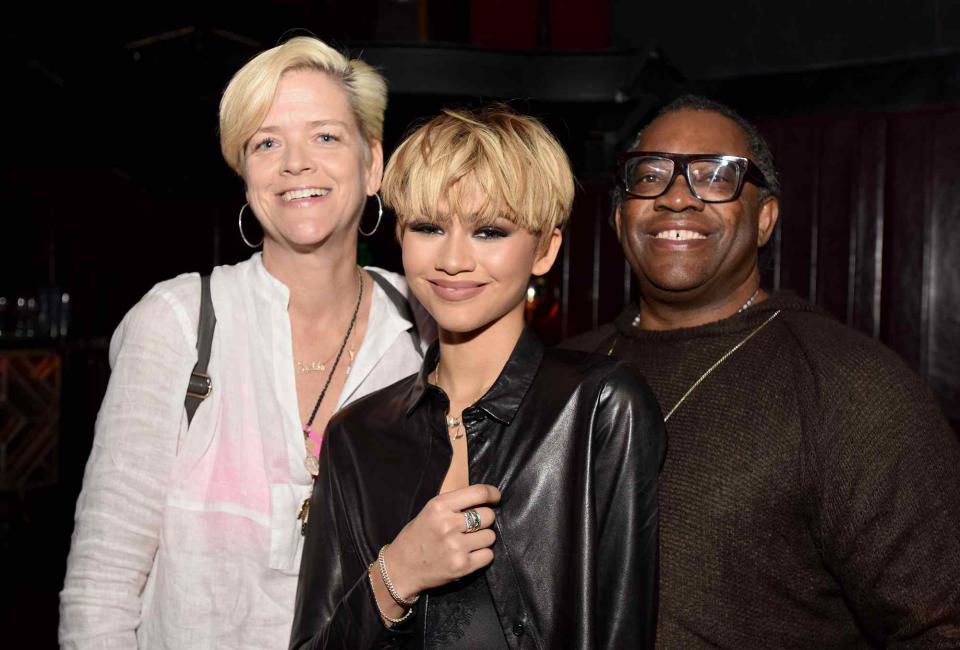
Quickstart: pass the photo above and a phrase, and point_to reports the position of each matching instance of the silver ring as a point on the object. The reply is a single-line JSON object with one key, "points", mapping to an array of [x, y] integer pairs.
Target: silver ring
{"points": [[473, 521]]}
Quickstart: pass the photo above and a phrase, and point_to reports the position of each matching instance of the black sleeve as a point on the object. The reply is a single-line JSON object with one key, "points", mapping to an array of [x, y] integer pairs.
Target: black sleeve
{"points": [[888, 469], [629, 448], [335, 607]]}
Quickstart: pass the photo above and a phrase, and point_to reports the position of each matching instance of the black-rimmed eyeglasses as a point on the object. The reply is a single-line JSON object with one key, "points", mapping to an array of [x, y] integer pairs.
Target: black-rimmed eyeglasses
{"points": [[712, 178]]}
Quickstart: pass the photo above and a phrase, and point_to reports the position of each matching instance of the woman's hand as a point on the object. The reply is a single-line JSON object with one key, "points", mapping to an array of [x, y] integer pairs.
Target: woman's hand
{"points": [[434, 548]]}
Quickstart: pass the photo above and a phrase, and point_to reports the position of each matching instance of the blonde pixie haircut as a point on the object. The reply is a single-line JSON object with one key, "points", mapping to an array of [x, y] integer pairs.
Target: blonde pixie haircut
{"points": [[248, 96], [516, 164]]}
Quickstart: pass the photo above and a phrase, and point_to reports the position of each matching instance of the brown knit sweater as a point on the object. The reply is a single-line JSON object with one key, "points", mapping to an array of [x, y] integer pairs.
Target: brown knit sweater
{"points": [[811, 492]]}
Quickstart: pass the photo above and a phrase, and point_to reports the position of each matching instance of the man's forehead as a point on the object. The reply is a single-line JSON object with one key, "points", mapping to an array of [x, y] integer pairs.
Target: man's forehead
{"points": [[692, 131]]}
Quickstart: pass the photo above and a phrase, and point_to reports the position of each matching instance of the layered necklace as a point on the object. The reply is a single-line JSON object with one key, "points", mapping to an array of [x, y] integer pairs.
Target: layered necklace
{"points": [[311, 438]]}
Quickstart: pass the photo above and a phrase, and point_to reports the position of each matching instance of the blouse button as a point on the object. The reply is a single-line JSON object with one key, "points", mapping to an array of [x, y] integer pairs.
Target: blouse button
{"points": [[518, 629]]}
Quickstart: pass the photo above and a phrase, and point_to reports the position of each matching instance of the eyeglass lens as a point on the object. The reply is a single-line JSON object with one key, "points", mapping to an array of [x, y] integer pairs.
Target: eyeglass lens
{"points": [[710, 179]]}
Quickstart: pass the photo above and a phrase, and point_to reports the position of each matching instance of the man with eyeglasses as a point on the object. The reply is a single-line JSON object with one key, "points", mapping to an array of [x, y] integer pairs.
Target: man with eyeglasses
{"points": [[810, 497]]}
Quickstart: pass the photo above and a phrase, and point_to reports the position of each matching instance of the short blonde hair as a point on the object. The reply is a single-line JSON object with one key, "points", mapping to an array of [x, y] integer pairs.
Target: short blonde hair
{"points": [[513, 160], [247, 98]]}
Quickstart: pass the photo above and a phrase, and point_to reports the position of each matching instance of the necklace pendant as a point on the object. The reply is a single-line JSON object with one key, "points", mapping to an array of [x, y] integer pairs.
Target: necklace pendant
{"points": [[312, 463], [304, 515], [313, 366], [312, 442], [457, 425]]}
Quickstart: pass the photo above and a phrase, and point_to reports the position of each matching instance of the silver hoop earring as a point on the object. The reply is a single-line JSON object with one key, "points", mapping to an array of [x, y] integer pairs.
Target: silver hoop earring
{"points": [[379, 216], [240, 226]]}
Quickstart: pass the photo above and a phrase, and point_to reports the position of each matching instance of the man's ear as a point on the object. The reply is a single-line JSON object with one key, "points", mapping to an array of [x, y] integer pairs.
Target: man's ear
{"points": [[767, 219], [547, 252], [616, 222]]}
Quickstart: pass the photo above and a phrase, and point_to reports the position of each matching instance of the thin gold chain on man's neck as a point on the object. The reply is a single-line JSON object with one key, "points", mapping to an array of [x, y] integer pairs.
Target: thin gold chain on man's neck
{"points": [[719, 361]]}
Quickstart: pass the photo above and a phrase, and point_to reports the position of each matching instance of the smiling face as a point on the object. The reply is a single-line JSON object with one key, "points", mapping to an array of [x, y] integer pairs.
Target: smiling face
{"points": [[682, 249], [472, 275], [307, 170]]}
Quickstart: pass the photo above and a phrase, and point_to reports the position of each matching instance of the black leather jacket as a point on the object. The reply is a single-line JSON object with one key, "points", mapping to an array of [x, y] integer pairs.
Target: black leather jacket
{"points": [[574, 441]]}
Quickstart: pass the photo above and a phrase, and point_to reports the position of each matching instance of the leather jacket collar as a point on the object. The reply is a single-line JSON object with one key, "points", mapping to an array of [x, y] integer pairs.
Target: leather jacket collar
{"points": [[503, 399]]}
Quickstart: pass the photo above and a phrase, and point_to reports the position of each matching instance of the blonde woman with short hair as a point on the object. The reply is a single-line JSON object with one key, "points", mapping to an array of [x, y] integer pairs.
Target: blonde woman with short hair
{"points": [[505, 496], [188, 532]]}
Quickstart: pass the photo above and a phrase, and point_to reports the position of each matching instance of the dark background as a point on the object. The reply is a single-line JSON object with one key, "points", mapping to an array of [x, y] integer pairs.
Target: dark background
{"points": [[112, 178]]}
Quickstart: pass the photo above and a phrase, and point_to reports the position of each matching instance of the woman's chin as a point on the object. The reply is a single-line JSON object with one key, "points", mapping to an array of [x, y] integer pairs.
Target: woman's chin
{"points": [[304, 241], [466, 326], [461, 327]]}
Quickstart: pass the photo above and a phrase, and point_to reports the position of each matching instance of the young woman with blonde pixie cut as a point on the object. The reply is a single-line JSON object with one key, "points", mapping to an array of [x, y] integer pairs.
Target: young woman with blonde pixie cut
{"points": [[505, 496], [188, 532]]}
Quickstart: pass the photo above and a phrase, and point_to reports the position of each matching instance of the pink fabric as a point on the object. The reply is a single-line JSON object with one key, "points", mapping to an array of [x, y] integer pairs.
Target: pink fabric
{"points": [[314, 441]]}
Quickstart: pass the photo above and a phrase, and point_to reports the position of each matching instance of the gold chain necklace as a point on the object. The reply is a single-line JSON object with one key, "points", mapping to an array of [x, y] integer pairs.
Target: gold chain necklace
{"points": [[718, 363], [320, 366]]}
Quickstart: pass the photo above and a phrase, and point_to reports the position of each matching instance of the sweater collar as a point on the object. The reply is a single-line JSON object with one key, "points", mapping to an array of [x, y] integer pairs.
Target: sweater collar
{"points": [[502, 400]]}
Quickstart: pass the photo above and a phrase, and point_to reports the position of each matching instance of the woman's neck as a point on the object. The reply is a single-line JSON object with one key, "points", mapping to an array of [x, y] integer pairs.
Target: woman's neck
{"points": [[322, 282], [470, 363]]}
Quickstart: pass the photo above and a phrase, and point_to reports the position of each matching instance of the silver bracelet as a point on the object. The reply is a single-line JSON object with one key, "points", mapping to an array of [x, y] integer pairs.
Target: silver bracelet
{"points": [[397, 598], [390, 621]]}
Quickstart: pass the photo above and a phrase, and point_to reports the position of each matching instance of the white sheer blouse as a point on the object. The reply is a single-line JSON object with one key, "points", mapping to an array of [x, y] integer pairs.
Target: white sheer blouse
{"points": [[190, 539]]}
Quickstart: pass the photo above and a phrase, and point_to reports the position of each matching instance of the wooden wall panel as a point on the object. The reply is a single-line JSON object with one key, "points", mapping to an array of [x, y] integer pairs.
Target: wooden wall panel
{"points": [[907, 190], [796, 148], [580, 263], [837, 171], [596, 279], [866, 278], [829, 242], [611, 279], [943, 288]]}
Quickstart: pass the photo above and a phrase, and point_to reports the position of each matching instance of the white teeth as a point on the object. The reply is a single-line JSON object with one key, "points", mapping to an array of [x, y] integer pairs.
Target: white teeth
{"points": [[293, 195], [679, 235]]}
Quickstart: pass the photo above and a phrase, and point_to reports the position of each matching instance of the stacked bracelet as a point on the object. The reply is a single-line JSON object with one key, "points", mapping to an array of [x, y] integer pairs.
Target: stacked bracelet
{"points": [[397, 598], [391, 621]]}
